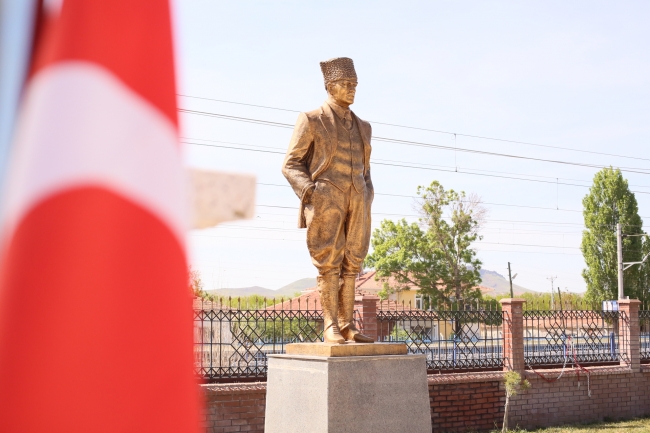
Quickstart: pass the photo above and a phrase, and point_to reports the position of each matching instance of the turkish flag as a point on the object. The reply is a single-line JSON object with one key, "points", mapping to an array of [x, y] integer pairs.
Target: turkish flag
{"points": [[95, 309]]}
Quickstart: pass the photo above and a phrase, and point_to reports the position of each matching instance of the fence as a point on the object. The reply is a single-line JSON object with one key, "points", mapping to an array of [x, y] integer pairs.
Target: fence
{"points": [[644, 335], [451, 340], [232, 344], [578, 336]]}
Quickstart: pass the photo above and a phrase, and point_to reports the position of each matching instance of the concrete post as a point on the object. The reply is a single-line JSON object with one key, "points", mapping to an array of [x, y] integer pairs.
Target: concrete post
{"points": [[366, 305], [513, 334], [628, 333]]}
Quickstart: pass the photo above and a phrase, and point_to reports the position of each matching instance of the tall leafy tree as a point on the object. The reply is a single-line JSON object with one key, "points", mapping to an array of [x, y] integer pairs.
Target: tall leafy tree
{"points": [[434, 254], [404, 252], [643, 287], [609, 202]]}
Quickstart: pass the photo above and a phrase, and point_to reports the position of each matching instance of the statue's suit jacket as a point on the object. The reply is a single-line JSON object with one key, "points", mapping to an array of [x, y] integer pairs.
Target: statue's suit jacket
{"points": [[312, 146]]}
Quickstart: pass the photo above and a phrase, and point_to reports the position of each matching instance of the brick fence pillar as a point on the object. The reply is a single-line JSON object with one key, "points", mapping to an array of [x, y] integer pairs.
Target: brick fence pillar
{"points": [[513, 334], [628, 333], [366, 306]]}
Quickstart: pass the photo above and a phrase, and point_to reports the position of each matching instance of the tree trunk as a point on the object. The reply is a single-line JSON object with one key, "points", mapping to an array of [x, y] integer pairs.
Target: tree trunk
{"points": [[458, 325], [505, 415]]}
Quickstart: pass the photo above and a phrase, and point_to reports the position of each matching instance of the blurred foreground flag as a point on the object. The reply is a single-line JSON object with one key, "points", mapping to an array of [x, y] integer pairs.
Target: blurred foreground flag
{"points": [[95, 313]]}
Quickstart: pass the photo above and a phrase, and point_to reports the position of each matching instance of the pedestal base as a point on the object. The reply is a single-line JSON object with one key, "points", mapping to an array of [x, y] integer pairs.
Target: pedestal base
{"points": [[355, 394], [346, 349]]}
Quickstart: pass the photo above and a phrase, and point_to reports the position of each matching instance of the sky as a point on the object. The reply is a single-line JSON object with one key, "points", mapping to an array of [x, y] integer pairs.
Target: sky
{"points": [[528, 77]]}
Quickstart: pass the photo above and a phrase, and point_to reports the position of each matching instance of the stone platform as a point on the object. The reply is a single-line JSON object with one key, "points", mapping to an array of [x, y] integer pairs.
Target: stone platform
{"points": [[347, 394], [347, 349]]}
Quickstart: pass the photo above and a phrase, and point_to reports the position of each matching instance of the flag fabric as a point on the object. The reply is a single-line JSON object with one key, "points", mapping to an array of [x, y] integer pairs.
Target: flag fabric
{"points": [[95, 312]]}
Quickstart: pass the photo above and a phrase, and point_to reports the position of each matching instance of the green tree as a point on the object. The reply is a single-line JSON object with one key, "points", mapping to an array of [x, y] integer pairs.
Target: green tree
{"points": [[643, 286], [513, 385], [434, 255], [610, 202], [404, 252], [195, 283]]}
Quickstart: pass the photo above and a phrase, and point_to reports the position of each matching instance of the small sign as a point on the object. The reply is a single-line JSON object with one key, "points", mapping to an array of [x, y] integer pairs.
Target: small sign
{"points": [[219, 197], [610, 305]]}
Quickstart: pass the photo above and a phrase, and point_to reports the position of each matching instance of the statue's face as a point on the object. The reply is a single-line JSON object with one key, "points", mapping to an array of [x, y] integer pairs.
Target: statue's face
{"points": [[343, 91]]}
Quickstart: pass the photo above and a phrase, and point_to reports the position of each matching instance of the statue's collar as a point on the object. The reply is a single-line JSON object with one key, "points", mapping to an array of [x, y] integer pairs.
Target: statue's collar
{"points": [[341, 112]]}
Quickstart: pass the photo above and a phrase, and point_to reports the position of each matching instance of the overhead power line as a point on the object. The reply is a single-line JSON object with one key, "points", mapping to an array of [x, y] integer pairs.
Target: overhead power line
{"points": [[523, 222], [302, 240], [637, 170], [407, 196], [458, 134], [415, 196], [490, 230], [282, 150], [402, 164]]}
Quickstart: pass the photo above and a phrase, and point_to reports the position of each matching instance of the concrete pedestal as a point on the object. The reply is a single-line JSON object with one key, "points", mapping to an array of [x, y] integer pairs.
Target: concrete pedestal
{"points": [[355, 394]]}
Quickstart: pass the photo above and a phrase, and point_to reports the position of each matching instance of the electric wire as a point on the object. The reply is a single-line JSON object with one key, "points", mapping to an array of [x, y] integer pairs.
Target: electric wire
{"points": [[375, 226], [554, 179], [637, 170], [436, 131], [405, 166], [302, 240]]}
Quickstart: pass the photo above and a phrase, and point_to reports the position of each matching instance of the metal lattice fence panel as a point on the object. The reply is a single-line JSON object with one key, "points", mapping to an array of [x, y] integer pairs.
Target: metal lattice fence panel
{"points": [[451, 340], [575, 336], [644, 335], [234, 344]]}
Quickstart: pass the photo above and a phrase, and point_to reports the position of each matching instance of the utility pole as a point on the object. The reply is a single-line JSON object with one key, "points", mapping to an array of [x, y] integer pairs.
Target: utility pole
{"points": [[619, 251], [510, 277], [552, 291], [619, 255]]}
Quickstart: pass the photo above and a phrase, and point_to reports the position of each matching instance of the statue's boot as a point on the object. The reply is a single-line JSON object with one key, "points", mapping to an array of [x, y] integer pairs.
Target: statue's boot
{"points": [[346, 312], [328, 285]]}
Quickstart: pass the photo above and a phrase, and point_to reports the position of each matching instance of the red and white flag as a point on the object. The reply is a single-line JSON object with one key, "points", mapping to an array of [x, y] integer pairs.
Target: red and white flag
{"points": [[95, 313]]}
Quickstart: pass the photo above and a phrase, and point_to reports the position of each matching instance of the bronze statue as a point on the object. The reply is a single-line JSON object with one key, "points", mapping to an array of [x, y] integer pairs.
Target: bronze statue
{"points": [[328, 167]]}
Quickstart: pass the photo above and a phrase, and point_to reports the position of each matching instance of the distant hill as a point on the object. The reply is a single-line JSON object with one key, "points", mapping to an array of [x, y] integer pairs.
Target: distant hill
{"points": [[500, 284], [297, 286], [287, 291], [491, 279], [243, 291]]}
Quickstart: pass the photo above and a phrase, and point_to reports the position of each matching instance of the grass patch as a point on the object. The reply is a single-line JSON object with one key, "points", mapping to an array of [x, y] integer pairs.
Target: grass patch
{"points": [[638, 425]]}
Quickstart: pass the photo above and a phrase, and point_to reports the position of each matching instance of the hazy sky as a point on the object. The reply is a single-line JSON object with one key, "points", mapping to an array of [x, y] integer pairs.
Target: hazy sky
{"points": [[568, 74]]}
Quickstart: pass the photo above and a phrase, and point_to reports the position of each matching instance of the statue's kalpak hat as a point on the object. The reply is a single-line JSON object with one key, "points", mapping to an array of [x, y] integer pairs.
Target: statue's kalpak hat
{"points": [[339, 68]]}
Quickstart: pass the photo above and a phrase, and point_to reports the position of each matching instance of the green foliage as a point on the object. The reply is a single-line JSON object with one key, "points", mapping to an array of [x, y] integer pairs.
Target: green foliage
{"points": [[609, 202], [196, 284], [385, 291], [402, 251], [513, 385], [637, 425], [434, 255], [252, 302], [278, 330], [643, 275], [542, 301]]}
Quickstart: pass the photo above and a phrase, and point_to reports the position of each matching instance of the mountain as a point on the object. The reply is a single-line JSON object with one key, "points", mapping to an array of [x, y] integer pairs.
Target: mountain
{"points": [[297, 286], [491, 279], [243, 291], [500, 284], [287, 291]]}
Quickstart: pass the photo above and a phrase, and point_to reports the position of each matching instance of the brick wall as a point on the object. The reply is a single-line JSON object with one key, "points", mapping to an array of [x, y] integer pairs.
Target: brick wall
{"points": [[616, 393], [465, 402], [234, 407]]}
